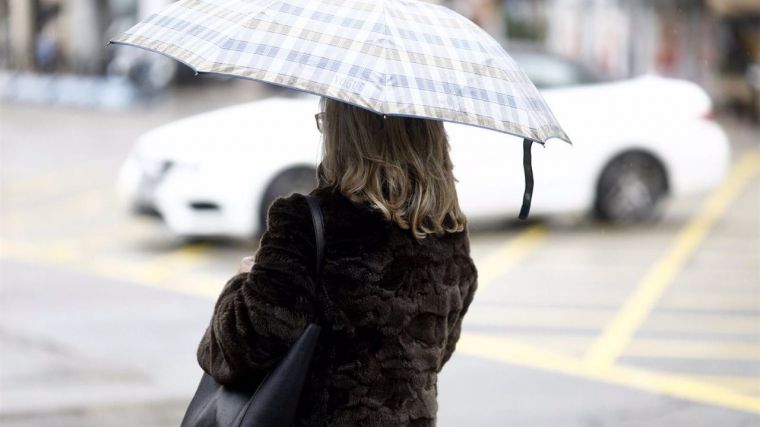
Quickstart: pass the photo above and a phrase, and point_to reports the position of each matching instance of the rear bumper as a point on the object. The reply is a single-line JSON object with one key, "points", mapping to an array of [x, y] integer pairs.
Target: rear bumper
{"points": [[703, 161]]}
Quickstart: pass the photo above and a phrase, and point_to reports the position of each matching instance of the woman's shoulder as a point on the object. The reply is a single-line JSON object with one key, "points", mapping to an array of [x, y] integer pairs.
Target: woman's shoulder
{"points": [[336, 209], [356, 216], [346, 218], [288, 210]]}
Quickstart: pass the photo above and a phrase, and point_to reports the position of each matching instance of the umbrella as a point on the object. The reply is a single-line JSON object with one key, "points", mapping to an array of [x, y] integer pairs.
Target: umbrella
{"points": [[394, 57]]}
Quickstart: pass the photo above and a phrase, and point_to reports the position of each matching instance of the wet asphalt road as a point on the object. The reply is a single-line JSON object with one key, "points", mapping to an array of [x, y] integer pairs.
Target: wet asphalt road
{"points": [[574, 324]]}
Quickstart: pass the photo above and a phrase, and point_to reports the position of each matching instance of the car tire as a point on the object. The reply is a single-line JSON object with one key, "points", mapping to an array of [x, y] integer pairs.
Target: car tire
{"points": [[300, 179], [630, 189]]}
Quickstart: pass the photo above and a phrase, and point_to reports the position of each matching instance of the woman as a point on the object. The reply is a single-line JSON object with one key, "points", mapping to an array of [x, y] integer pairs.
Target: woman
{"points": [[397, 270]]}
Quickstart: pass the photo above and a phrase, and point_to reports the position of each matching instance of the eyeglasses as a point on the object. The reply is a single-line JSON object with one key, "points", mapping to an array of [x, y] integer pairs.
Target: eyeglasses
{"points": [[320, 118]]}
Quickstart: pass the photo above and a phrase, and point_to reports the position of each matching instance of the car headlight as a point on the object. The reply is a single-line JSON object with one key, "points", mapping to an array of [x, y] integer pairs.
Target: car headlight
{"points": [[154, 168]]}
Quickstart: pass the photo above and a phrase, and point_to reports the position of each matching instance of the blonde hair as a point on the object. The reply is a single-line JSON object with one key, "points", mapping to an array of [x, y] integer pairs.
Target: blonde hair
{"points": [[399, 165]]}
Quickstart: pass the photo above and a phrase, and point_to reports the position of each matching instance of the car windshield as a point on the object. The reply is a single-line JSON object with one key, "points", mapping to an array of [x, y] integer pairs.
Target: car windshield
{"points": [[549, 71]]}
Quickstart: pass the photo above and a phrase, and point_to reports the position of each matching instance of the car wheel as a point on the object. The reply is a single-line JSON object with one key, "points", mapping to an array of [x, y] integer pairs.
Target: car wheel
{"points": [[630, 189], [300, 179]]}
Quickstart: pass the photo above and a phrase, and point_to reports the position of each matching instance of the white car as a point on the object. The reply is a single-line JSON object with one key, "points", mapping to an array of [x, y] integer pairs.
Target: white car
{"points": [[634, 142]]}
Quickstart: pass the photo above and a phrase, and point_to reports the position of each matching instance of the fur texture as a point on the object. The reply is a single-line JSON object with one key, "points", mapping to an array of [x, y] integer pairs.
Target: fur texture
{"points": [[392, 320]]}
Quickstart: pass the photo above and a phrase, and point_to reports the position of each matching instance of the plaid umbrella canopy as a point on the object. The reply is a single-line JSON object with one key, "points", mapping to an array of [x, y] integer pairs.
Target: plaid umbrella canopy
{"points": [[394, 57]]}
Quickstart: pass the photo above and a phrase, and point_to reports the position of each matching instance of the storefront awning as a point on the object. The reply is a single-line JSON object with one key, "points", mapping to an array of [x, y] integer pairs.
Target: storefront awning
{"points": [[735, 7]]}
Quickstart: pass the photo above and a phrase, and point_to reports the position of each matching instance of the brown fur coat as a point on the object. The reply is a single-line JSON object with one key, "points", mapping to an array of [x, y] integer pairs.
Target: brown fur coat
{"points": [[397, 312]]}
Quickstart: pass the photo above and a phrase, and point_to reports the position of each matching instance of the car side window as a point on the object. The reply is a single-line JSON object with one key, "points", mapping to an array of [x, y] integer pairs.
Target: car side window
{"points": [[551, 72]]}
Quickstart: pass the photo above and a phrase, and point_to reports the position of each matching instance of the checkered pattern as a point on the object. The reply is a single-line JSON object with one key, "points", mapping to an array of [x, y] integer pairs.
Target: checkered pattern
{"points": [[395, 57]]}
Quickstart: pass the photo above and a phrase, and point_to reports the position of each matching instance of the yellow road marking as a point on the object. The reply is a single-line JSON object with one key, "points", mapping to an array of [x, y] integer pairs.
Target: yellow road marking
{"points": [[132, 229], [87, 203], [164, 266], [550, 317], [565, 295], [744, 384], [705, 323], [712, 300], [175, 280], [49, 182], [592, 319], [617, 334], [509, 351], [166, 271], [510, 254], [651, 348], [694, 349], [205, 286], [567, 345]]}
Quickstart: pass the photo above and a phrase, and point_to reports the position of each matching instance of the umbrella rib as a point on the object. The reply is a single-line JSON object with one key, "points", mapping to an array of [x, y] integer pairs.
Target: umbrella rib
{"points": [[459, 76], [400, 49], [386, 107], [236, 29]]}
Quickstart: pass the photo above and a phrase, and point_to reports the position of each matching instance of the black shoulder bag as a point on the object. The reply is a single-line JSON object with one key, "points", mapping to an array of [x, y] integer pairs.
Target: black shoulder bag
{"points": [[275, 401]]}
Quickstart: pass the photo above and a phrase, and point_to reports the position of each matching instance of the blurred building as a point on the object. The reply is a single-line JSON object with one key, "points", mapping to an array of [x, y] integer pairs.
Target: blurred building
{"points": [[715, 43], [65, 35], [621, 38], [698, 40], [738, 83], [56, 51], [488, 14]]}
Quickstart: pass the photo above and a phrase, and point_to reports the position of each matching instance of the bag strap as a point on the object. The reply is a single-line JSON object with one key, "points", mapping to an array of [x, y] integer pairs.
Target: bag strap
{"points": [[319, 237], [319, 231]]}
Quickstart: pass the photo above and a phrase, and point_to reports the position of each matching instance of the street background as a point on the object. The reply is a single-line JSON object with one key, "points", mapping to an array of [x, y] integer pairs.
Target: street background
{"points": [[575, 323]]}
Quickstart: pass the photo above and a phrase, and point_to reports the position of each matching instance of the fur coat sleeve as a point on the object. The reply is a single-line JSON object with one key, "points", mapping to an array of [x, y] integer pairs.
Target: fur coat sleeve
{"points": [[259, 315]]}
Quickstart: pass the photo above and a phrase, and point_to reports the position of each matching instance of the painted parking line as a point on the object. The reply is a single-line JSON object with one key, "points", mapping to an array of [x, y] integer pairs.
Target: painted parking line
{"points": [[591, 319], [139, 273], [165, 266], [538, 317], [660, 348], [726, 323], [88, 203], [741, 384], [681, 386], [168, 271], [700, 299], [694, 349], [132, 229], [45, 183], [205, 286], [511, 253], [618, 333]]}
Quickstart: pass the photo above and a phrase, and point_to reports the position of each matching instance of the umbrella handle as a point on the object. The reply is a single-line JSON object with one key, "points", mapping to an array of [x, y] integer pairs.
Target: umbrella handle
{"points": [[527, 166]]}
